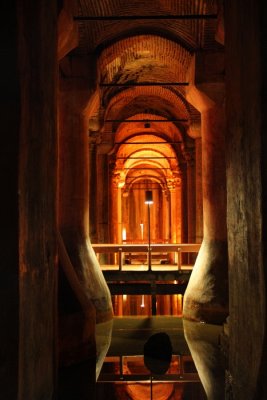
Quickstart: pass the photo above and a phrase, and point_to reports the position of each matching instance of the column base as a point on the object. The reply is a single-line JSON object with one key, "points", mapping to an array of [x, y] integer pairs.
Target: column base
{"points": [[206, 296]]}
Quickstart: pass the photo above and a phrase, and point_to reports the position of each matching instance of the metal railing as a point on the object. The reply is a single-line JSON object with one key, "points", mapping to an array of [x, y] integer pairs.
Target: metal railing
{"points": [[122, 374], [122, 250]]}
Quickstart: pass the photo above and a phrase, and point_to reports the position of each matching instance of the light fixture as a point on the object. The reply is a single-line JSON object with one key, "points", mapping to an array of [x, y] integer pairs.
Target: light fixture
{"points": [[149, 197], [149, 201]]}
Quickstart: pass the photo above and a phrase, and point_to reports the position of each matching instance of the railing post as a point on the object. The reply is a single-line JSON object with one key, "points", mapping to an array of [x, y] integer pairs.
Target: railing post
{"points": [[121, 367], [149, 258], [120, 258], [153, 287], [179, 260]]}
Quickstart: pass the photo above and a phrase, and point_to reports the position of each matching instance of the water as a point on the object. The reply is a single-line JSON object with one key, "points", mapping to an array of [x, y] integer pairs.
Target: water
{"points": [[196, 370]]}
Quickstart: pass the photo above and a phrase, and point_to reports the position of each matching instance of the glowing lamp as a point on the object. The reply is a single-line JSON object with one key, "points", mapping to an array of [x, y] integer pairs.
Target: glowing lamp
{"points": [[149, 197]]}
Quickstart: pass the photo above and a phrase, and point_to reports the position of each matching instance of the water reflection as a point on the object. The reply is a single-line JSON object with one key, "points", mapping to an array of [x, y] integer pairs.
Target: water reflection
{"points": [[203, 342], [103, 333], [192, 366], [135, 378]]}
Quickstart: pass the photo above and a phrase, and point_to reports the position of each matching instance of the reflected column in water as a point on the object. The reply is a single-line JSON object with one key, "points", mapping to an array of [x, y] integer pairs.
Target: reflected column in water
{"points": [[103, 332], [203, 343]]}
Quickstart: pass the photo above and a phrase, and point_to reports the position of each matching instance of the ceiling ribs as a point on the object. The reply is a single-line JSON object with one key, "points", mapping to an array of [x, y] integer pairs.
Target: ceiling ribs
{"points": [[143, 84], [89, 18], [146, 120]]}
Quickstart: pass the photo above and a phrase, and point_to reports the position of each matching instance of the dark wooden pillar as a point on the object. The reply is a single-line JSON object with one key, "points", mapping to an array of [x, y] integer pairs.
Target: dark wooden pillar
{"points": [[37, 66], [246, 110]]}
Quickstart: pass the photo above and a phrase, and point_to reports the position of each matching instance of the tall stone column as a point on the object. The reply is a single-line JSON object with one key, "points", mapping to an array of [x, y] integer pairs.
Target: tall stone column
{"points": [[174, 208], [77, 257], [28, 172], [165, 215], [173, 213], [206, 296], [199, 195], [191, 195], [184, 212], [116, 210], [102, 193], [179, 210], [92, 186], [116, 207]]}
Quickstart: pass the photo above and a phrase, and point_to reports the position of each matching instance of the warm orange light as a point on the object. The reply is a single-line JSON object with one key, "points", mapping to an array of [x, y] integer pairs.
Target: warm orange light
{"points": [[142, 230], [143, 301]]}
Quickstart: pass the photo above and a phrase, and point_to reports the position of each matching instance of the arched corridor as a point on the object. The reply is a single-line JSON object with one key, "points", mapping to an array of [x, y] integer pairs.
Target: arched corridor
{"points": [[103, 102]]}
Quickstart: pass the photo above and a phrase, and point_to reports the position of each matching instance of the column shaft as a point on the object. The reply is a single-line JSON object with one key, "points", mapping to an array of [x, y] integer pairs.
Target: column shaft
{"points": [[206, 296]]}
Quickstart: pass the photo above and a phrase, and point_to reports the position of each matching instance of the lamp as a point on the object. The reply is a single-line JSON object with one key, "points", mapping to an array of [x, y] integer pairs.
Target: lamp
{"points": [[149, 197], [149, 201]]}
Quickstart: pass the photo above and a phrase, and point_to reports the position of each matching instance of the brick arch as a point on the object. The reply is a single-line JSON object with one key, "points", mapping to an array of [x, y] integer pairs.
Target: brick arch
{"points": [[102, 34], [135, 50], [178, 106]]}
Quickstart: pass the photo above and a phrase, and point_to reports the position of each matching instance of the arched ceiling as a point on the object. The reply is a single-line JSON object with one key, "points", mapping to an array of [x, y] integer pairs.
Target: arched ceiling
{"points": [[143, 51], [191, 33]]}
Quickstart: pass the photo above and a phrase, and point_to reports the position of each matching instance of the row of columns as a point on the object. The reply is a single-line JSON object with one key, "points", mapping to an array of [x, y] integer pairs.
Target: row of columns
{"points": [[172, 208]]}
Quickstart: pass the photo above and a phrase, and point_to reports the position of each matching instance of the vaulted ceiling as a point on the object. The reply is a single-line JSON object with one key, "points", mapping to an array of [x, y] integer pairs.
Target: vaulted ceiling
{"points": [[143, 51]]}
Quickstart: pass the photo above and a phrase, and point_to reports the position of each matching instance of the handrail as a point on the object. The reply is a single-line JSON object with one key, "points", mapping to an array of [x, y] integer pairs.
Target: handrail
{"points": [[122, 375], [140, 247], [121, 248]]}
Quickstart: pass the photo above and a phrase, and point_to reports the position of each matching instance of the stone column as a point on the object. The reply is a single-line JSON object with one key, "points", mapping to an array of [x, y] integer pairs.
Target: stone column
{"points": [[77, 257], [172, 185], [206, 296], [167, 304], [92, 186], [102, 193], [179, 211], [28, 157], [203, 344], [191, 195], [199, 195], [116, 208], [184, 212]]}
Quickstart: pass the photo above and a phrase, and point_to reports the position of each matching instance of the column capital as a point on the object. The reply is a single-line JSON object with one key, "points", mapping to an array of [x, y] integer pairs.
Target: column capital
{"points": [[118, 179], [189, 155], [173, 183], [206, 77]]}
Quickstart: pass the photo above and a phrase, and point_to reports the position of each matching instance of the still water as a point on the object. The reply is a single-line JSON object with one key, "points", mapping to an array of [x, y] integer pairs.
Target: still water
{"points": [[196, 369]]}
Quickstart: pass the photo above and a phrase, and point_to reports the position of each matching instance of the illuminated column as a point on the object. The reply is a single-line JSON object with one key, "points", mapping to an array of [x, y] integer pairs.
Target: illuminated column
{"points": [[174, 304], [206, 296], [116, 211], [174, 207], [120, 304], [199, 200], [92, 185], [166, 215], [167, 304], [173, 197], [191, 195], [77, 258], [102, 194], [179, 210]]}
